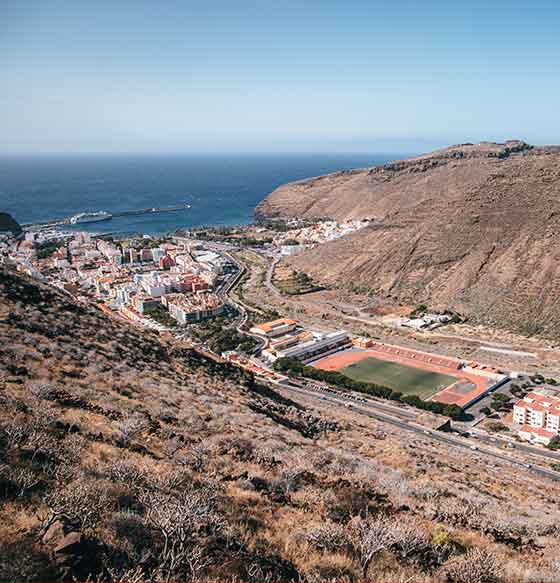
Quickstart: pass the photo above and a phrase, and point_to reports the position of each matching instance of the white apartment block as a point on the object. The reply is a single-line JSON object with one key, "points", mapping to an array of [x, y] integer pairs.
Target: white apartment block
{"points": [[539, 417]]}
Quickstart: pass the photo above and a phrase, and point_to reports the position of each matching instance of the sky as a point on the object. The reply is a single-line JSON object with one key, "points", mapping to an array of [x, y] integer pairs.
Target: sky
{"points": [[276, 75]]}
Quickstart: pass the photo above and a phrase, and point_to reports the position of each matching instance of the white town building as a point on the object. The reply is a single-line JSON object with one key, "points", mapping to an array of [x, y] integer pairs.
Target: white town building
{"points": [[539, 417]]}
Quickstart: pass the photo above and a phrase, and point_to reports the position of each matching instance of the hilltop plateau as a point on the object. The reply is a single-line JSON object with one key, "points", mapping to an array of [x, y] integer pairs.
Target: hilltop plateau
{"points": [[474, 228]]}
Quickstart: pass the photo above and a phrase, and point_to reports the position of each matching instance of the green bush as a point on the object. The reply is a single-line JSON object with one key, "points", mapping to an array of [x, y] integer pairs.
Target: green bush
{"points": [[227, 339], [161, 315], [500, 397]]}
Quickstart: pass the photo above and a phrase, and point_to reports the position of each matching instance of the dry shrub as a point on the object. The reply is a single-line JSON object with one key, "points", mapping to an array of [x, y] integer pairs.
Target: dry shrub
{"points": [[132, 533], [476, 566], [331, 568], [23, 478], [177, 519], [544, 575], [131, 426], [370, 537], [20, 560], [42, 390], [410, 538], [328, 537], [82, 503], [128, 472]]}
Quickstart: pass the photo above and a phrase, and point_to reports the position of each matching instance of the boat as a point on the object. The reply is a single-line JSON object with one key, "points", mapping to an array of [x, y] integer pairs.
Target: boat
{"points": [[90, 217]]}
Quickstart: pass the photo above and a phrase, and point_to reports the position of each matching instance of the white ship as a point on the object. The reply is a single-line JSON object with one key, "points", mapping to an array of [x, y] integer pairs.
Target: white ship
{"points": [[90, 217]]}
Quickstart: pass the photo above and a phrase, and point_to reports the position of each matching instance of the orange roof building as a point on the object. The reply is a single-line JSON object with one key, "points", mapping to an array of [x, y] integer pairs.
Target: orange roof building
{"points": [[274, 328]]}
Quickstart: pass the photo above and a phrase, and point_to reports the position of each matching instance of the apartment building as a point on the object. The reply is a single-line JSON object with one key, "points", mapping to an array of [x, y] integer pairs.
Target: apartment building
{"points": [[539, 417], [193, 308]]}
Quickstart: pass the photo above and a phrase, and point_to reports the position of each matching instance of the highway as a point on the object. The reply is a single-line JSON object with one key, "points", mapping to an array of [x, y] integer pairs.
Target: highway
{"points": [[368, 409]]}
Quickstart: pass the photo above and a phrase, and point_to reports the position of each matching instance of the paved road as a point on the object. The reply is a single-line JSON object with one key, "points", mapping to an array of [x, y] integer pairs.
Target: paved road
{"points": [[368, 409], [226, 293], [498, 440]]}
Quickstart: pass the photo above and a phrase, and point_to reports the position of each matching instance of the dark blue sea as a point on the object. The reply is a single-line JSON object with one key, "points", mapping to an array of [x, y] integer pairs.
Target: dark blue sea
{"points": [[222, 189]]}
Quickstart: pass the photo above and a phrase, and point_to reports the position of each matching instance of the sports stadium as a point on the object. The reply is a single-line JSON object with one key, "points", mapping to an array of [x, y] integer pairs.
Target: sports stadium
{"points": [[413, 372]]}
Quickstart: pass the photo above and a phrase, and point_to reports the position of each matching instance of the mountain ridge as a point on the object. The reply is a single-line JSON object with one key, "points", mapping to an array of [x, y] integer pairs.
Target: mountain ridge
{"points": [[472, 228]]}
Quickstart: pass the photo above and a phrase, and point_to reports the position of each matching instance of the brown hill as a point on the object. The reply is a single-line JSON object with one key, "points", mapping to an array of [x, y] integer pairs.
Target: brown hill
{"points": [[473, 228], [125, 458]]}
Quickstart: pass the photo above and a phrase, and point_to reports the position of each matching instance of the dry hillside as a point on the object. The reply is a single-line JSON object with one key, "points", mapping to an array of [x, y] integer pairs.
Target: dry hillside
{"points": [[474, 228], [126, 458]]}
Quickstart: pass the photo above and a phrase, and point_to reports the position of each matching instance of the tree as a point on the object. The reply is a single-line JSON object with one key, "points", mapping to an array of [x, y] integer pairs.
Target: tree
{"points": [[554, 443], [500, 397], [515, 389]]}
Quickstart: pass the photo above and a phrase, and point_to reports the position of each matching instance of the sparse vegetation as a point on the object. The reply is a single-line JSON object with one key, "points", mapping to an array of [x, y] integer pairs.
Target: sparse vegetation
{"points": [[127, 458], [497, 427], [221, 338]]}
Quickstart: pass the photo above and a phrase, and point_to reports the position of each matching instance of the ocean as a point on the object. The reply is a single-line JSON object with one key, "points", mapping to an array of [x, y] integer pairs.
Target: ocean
{"points": [[222, 189]]}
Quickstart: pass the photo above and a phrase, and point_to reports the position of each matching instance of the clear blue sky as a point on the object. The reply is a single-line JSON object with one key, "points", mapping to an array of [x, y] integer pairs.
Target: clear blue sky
{"points": [[276, 75]]}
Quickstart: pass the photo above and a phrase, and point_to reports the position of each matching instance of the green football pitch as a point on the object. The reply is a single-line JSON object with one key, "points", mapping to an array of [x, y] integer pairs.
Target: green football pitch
{"points": [[399, 377]]}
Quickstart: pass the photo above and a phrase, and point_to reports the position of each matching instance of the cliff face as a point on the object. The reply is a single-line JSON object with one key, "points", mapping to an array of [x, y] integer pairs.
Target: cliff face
{"points": [[474, 228]]}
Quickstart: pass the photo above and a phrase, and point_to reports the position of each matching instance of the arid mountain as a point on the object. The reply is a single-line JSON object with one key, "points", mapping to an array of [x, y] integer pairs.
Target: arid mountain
{"points": [[473, 228], [126, 458]]}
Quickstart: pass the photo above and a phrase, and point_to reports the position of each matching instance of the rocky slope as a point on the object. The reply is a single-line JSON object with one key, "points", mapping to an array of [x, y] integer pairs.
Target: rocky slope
{"points": [[126, 458], [473, 228]]}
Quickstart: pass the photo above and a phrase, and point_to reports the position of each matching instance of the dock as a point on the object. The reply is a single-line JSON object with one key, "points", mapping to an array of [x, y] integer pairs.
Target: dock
{"points": [[145, 211], [128, 213]]}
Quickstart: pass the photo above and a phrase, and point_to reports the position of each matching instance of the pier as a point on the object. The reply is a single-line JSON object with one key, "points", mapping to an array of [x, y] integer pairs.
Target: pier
{"points": [[145, 211], [128, 213]]}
